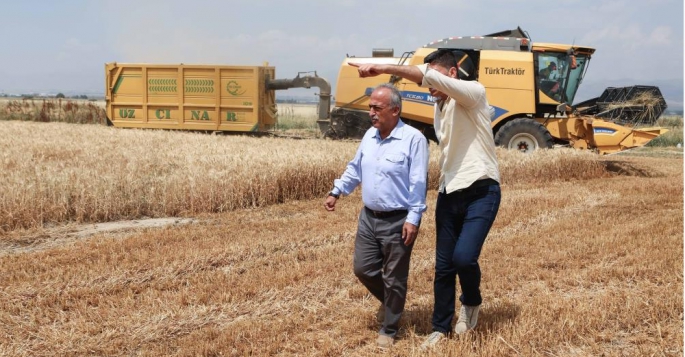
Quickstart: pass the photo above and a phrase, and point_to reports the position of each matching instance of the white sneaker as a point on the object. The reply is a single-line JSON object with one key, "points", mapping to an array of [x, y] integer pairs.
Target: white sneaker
{"points": [[468, 318], [432, 340], [384, 341]]}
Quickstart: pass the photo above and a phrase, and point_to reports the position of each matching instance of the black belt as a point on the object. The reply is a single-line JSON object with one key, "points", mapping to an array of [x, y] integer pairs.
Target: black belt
{"points": [[480, 183], [386, 214], [483, 183]]}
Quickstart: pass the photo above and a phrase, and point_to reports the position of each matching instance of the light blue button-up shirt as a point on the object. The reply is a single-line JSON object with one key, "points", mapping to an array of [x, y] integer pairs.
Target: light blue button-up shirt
{"points": [[392, 171]]}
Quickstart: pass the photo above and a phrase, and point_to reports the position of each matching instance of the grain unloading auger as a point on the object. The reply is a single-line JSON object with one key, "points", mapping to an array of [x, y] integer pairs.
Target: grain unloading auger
{"points": [[531, 87], [324, 109]]}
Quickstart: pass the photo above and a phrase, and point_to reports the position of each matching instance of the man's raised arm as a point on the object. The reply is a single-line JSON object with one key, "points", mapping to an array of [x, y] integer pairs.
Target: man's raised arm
{"points": [[411, 73]]}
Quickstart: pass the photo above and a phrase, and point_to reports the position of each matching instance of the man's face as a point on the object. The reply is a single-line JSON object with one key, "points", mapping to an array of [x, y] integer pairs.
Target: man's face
{"points": [[383, 116], [449, 72]]}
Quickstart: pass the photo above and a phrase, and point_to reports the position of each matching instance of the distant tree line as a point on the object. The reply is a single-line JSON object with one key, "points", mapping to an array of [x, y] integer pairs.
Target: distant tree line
{"points": [[82, 96], [299, 100], [286, 100], [36, 95]]}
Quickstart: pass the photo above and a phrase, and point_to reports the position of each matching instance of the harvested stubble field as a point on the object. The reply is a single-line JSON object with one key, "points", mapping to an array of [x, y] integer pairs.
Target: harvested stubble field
{"points": [[585, 257]]}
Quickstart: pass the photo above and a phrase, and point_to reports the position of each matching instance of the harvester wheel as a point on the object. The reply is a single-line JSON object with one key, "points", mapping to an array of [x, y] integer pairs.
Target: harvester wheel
{"points": [[525, 135]]}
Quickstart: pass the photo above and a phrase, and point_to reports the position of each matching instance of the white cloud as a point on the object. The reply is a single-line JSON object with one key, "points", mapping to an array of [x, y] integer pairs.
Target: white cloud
{"points": [[661, 35], [632, 37]]}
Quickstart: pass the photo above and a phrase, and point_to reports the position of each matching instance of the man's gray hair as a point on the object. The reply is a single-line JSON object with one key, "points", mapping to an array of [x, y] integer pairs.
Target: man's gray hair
{"points": [[395, 96]]}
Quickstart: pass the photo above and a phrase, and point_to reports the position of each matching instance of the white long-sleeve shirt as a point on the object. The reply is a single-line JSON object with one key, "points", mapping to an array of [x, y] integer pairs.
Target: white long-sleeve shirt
{"points": [[462, 126]]}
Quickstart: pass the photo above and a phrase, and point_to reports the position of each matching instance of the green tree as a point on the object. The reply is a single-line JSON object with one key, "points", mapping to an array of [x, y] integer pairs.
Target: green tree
{"points": [[59, 95]]}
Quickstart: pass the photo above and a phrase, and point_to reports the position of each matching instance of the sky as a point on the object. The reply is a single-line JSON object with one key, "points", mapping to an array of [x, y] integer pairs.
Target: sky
{"points": [[62, 46]]}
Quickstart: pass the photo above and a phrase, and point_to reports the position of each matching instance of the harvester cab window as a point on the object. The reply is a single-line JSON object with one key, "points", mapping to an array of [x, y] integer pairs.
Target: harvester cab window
{"points": [[560, 74], [575, 76], [552, 70]]}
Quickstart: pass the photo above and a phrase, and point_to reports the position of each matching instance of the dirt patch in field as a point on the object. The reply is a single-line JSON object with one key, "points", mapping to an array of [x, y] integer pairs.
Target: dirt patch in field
{"points": [[91, 229], [48, 238]]}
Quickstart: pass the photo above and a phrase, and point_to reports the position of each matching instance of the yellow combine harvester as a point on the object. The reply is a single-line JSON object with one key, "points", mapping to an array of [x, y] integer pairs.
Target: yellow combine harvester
{"points": [[531, 87]]}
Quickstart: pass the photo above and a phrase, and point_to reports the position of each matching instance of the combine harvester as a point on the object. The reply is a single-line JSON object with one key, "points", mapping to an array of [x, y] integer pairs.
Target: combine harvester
{"points": [[531, 87]]}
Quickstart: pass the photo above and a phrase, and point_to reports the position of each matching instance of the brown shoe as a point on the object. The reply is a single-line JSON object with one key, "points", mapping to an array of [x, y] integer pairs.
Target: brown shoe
{"points": [[384, 341]]}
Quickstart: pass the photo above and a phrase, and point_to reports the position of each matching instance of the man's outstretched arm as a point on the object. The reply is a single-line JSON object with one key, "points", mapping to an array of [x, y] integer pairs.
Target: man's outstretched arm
{"points": [[411, 73]]}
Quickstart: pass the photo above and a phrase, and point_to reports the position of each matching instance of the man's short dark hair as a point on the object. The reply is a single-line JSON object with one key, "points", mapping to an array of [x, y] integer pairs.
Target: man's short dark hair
{"points": [[444, 58]]}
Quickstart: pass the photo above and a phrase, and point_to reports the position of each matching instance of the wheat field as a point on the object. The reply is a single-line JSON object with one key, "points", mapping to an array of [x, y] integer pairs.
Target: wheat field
{"points": [[585, 257]]}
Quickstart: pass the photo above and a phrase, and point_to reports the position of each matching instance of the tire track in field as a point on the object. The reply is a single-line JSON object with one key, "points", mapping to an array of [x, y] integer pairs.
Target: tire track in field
{"points": [[547, 218]]}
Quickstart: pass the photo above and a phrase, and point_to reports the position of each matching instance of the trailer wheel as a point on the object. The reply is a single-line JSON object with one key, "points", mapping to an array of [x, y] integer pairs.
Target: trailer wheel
{"points": [[525, 135]]}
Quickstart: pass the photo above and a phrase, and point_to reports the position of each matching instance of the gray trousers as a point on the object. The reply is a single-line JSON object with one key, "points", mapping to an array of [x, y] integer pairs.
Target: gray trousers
{"points": [[381, 263]]}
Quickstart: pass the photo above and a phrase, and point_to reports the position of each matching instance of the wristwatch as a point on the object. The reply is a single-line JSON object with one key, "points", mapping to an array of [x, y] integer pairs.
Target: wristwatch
{"points": [[336, 196]]}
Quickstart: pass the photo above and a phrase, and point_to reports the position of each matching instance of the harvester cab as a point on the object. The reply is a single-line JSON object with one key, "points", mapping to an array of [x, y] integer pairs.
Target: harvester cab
{"points": [[559, 74]]}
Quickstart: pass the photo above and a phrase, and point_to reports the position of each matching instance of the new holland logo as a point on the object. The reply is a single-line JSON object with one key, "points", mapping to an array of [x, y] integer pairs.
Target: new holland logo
{"points": [[234, 88], [604, 131]]}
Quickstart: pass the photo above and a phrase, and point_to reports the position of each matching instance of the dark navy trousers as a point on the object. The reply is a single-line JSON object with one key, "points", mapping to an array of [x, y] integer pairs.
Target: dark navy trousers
{"points": [[463, 220]]}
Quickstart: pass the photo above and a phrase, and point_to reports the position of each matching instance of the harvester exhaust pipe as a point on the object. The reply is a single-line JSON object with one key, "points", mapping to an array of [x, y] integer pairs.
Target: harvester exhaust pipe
{"points": [[307, 82]]}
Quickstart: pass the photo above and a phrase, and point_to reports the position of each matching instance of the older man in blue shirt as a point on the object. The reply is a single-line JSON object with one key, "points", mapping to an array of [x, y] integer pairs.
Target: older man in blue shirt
{"points": [[391, 164]]}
